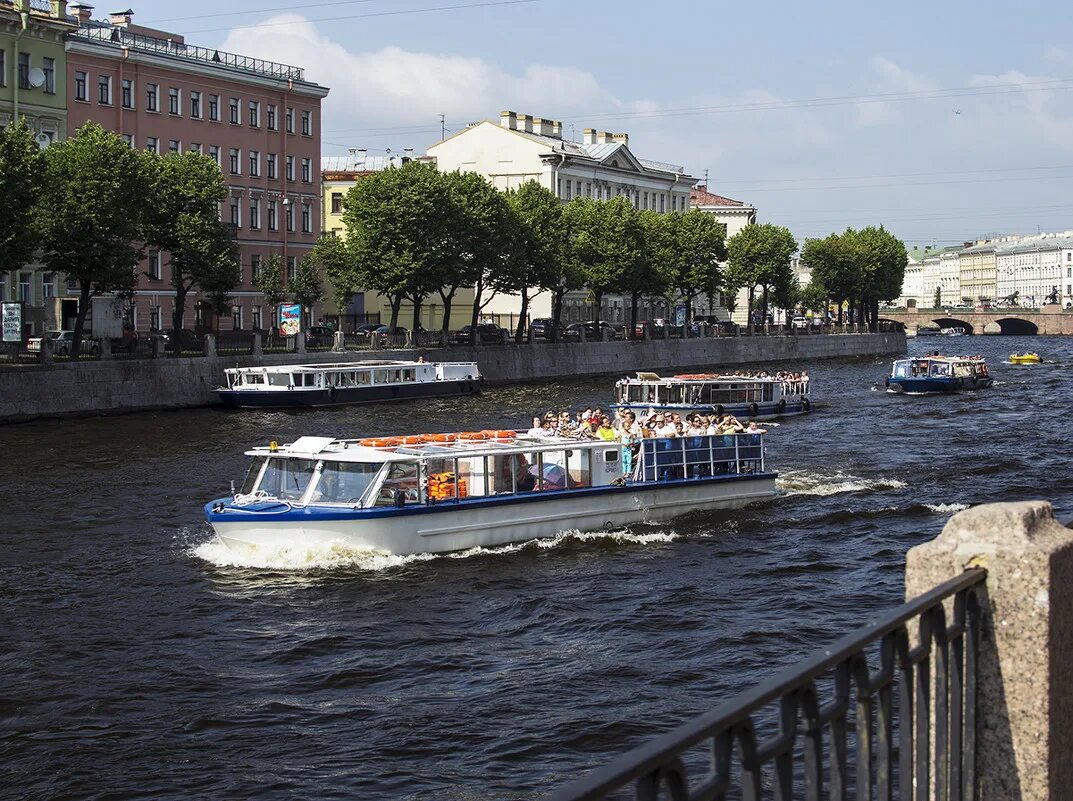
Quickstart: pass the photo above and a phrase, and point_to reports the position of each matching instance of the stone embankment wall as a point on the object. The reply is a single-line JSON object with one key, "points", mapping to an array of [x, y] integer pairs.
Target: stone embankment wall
{"points": [[29, 391]]}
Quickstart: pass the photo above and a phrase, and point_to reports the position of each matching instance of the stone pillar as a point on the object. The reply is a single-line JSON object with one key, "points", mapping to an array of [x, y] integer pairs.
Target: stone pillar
{"points": [[209, 344], [648, 331], [44, 356], [300, 342], [1024, 743], [338, 343], [374, 341], [583, 335], [409, 339], [156, 346], [257, 346], [104, 349], [529, 336]]}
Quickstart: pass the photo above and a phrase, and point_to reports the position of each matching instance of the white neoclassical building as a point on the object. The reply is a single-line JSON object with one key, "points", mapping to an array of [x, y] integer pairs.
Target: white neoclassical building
{"points": [[950, 276], [602, 166], [913, 284], [930, 279], [1034, 268]]}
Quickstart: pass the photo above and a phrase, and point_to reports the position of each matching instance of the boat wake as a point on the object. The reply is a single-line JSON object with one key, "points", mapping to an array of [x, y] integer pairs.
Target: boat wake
{"points": [[801, 482], [338, 556], [946, 508]]}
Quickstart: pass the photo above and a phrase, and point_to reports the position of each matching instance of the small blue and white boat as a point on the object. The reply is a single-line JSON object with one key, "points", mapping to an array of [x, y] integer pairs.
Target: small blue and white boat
{"points": [[450, 492], [742, 396], [304, 385], [938, 374]]}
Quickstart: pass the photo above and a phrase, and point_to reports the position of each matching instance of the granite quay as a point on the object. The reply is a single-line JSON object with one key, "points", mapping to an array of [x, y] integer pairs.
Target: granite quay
{"points": [[115, 385], [957, 692]]}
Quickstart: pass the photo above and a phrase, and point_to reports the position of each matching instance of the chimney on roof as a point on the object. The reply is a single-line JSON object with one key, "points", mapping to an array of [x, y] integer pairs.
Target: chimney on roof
{"points": [[509, 120], [121, 19], [603, 137], [544, 127], [557, 129], [525, 123], [59, 9], [621, 137], [84, 12], [590, 136]]}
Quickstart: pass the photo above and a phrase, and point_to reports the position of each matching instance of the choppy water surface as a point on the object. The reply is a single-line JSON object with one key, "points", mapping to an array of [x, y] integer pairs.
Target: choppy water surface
{"points": [[141, 659]]}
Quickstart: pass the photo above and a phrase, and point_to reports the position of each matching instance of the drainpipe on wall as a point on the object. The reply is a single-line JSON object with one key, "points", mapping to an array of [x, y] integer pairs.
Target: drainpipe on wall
{"points": [[24, 16]]}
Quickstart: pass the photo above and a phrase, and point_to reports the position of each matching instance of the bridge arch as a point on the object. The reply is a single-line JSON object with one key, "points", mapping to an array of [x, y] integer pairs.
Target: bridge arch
{"points": [[950, 322], [894, 325], [1016, 326]]}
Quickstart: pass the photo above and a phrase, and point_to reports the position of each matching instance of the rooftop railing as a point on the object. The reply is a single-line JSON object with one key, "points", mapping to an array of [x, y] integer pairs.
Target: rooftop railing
{"points": [[904, 729], [170, 47]]}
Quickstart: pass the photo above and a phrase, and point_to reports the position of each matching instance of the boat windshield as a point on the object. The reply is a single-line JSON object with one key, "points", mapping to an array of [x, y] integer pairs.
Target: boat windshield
{"points": [[251, 475], [344, 482], [286, 478], [901, 369]]}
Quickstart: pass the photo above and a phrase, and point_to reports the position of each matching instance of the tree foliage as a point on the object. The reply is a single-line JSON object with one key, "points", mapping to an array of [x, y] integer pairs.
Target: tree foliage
{"points": [[607, 244], [306, 287], [760, 257], [91, 215], [269, 282], [22, 168], [540, 247]]}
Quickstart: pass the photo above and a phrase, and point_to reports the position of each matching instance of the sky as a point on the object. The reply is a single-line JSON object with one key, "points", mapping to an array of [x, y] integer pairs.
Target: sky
{"points": [[944, 121]]}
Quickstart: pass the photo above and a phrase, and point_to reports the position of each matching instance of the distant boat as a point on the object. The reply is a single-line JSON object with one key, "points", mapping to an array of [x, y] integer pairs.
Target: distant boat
{"points": [[954, 331], [938, 374], [1025, 358], [928, 331]]}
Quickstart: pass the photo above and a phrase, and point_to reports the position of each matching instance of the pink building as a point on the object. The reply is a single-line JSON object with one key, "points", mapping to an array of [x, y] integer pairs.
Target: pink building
{"points": [[259, 120]]}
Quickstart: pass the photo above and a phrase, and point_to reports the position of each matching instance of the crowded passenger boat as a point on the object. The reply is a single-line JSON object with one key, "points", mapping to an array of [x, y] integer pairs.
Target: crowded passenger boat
{"points": [[303, 385], [938, 374], [754, 394], [435, 493]]}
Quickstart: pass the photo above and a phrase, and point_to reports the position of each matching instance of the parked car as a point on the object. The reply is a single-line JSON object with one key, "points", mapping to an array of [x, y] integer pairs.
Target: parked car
{"points": [[543, 328], [365, 328], [490, 334], [572, 332], [385, 329], [188, 340], [799, 324], [61, 343], [320, 336]]}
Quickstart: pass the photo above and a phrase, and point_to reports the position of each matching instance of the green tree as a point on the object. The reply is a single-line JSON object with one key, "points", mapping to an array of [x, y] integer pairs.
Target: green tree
{"points": [[268, 280], [700, 243], [483, 229], [186, 191], [91, 215], [340, 270], [813, 297], [22, 167], [937, 301], [656, 272], [540, 246], [306, 287], [834, 266], [860, 268], [607, 243], [760, 257]]}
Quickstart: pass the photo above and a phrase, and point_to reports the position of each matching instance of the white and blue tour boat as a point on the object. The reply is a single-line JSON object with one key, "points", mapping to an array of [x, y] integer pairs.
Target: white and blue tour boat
{"points": [[938, 374], [741, 396], [302, 385], [437, 493]]}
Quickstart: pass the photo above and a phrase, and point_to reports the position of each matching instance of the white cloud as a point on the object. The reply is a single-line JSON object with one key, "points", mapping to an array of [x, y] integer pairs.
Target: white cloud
{"points": [[892, 78]]}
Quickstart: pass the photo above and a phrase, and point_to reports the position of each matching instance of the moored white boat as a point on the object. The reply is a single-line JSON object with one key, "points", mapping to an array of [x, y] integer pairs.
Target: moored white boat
{"points": [[301, 385], [710, 393], [447, 492]]}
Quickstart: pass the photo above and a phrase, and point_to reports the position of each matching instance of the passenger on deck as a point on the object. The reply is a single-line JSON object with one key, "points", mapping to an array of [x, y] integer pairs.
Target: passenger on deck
{"points": [[605, 431], [538, 428]]}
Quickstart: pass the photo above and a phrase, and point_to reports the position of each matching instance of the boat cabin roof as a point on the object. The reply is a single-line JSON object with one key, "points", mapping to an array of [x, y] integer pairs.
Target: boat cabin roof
{"points": [[319, 368], [706, 378], [946, 359]]}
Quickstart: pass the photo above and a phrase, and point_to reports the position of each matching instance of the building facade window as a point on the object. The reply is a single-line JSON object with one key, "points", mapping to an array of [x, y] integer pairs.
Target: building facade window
{"points": [[255, 267], [307, 219], [195, 105], [255, 114], [270, 114], [214, 108], [270, 164], [307, 170], [24, 70], [273, 219], [152, 97], [290, 216], [104, 90], [236, 212], [174, 145], [337, 202], [307, 123], [290, 120], [255, 317], [154, 318], [214, 154], [290, 168], [129, 139], [3, 76], [255, 213], [236, 317], [26, 287], [48, 66], [234, 111], [255, 163], [81, 89], [126, 91], [154, 265], [195, 147], [233, 161], [174, 101], [48, 285], [292, 267], [152, 144]]}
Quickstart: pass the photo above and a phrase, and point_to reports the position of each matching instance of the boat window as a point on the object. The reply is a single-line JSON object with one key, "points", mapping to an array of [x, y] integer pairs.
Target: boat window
{"points": [[901, 369], [940, 368], [769, 390], [409, 374], [279, 379], [442, 482], [344, 482], [286, 479], [254, 378], [579, 467], [401, 485], [256, 463]]}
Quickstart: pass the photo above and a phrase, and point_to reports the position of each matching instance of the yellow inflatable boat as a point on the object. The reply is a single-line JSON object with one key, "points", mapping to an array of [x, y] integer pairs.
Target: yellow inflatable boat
{"points": [[1025, 358]]}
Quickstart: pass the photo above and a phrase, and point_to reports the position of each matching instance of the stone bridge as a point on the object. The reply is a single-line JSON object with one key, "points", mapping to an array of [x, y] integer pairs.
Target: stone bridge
{"points": [[1049, 320]]}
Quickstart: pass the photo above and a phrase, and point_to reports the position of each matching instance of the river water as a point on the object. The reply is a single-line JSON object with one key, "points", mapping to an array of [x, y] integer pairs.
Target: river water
{"points": [[141, 660]]}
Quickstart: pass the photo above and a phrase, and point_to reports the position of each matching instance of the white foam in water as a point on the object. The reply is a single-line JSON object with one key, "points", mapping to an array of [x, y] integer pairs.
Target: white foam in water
{"points": [[946, 508], [337, 556], [800, 482]]}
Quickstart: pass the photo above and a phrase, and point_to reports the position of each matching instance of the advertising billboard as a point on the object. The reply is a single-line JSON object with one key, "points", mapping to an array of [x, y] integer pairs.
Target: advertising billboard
{"points": [[11, 321], [290, 319]]}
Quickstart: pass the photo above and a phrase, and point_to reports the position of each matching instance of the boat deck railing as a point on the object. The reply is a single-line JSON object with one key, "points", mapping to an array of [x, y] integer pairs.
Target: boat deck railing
{"points": [[669, 459]]}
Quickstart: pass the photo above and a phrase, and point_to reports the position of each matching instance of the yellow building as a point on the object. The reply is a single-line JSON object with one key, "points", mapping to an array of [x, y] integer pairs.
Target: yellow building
{"points": [[338, 175]]}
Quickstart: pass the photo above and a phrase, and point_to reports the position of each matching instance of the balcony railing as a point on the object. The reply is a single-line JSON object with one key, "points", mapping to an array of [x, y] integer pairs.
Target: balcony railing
{"points": [[170, 47], [835, 719]]}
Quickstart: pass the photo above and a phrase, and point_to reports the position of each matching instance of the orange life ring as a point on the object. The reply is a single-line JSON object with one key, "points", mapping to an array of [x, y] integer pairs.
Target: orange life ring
{"points": [[426, 438], [380, 442], [444, 437], [472, 435], [494, 434], [411, 440]]}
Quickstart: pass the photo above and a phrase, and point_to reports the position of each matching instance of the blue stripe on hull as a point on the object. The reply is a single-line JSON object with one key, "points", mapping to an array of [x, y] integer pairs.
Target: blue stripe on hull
{"points": [[736, 409], [275, 511], [935, 386], [307, 398]]}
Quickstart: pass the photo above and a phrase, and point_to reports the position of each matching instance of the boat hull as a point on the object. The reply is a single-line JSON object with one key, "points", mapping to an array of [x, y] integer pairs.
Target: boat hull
{"points": [[489, 522], [936, 386], [285, 398], [764, 411]]}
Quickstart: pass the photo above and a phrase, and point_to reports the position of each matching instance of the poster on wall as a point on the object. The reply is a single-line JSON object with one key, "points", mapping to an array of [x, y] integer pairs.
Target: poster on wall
{"points": [[11, 320], [290, 319]]}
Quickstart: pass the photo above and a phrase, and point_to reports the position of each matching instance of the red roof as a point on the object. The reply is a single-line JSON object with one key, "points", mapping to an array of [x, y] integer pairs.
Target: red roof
{"points": [[700, 196]]}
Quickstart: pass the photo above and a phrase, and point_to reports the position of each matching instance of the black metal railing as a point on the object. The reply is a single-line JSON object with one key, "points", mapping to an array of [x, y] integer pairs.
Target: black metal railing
{"points": [[909, 725], [172, 47]]}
